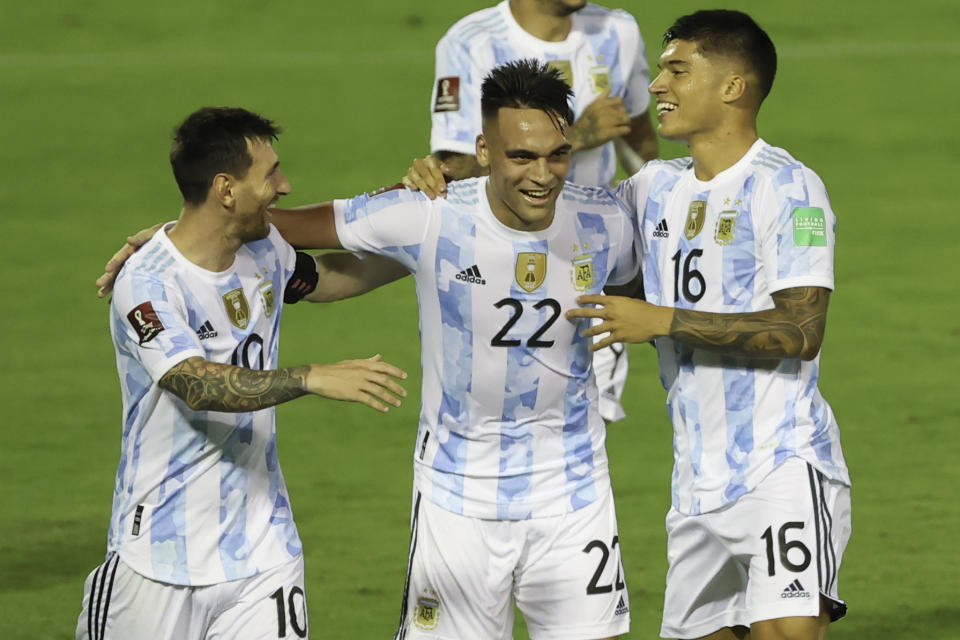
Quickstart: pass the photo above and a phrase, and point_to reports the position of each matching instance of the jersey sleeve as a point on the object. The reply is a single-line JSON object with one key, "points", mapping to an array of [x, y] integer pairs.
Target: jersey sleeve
{"points": [[286, 254], [627, 259], [636, 98], [391, 224], [150, 323], [798, 230], [455, 101]]}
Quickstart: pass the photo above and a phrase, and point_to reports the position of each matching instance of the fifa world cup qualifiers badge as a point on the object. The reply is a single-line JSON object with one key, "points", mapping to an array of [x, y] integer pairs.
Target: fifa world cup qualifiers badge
{"points": [[448, 94], [145, 322]]}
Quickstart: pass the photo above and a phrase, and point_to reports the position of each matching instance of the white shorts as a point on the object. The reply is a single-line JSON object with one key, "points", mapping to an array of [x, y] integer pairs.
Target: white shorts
{"points": [[610, 369], [771, 554], [119, 604], [563, 572]]}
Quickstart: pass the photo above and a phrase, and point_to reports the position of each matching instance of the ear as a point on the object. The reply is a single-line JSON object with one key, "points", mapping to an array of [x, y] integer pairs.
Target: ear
{"points": [[734, 88], [483, 151], [222, 189]]}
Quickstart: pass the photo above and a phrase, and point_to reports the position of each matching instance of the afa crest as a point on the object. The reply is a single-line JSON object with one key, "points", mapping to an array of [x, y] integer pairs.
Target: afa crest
{"points": [[581, 275], [237, 308], [531, 270], [266, 295], [726, 231], [427, 614], [600, 75]]}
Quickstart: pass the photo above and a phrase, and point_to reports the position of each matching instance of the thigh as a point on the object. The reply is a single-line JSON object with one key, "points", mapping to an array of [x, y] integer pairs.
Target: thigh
{"points": [[459, 577], [799, 527], [267, 606], [706, 581], [119, 603], [570, 581]]}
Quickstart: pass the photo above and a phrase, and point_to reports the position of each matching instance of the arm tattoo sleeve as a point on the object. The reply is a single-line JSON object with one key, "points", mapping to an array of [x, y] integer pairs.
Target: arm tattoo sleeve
{"points": [[210, 386], [792, 329]]}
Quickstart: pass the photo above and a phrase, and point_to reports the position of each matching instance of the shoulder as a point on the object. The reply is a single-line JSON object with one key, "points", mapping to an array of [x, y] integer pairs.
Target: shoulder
{"points": [[598, 199], [464, 192], [154, 262], [594, 18], [780, 170], [479, 25]]}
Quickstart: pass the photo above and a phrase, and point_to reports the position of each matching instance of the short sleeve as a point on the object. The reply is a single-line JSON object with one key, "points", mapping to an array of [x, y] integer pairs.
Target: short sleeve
{"points": [[149, 322], [391, 224], [636, 97], [798, 230], [455, 101], [628, 258]]}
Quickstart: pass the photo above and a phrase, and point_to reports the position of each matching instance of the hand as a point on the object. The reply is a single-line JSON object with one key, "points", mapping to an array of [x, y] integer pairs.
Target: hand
{"points": [[603, 120], [427, 175], [367, 381], [626, 319], [105, 282]]}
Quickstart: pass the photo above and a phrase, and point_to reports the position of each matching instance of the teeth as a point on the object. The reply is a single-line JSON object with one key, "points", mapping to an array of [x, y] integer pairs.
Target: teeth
{"points": [[537, 194], [665, 106]]}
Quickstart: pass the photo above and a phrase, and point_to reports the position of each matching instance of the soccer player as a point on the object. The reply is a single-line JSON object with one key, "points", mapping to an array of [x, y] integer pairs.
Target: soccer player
{"points": [[512, 499], [602, 57], [202, 542], [737, 244]]}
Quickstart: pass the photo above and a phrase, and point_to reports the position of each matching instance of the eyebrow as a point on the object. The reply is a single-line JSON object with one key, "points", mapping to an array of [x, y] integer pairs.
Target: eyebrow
{"points": [[527, 153], [673, 62]]}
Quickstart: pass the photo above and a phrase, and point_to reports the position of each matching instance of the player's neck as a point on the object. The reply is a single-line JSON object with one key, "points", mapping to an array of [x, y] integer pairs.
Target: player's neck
{"points": [[718, 151], [203, 240], [532, 19]]}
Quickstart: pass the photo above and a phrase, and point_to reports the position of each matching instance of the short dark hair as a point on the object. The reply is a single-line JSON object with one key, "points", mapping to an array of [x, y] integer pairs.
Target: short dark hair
{"points": [[213, 140], [526, 84], [730, 33]]}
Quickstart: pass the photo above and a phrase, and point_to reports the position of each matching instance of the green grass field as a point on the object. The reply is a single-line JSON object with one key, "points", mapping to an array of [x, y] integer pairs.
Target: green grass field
{"points": [[89, 92]]}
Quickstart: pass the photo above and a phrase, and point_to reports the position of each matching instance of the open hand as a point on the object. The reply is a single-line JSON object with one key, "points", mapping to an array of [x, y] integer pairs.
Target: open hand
{"points": [[371, 381], [603, 120], [105, 282], [625, 319], [428, 175]]}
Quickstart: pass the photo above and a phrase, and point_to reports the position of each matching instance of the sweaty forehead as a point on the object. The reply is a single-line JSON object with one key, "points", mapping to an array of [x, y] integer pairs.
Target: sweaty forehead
{"points": [[531, 128]]}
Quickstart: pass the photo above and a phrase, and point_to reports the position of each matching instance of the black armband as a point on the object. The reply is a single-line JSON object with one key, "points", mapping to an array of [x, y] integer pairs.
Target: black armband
{"points": [[304, 278]]}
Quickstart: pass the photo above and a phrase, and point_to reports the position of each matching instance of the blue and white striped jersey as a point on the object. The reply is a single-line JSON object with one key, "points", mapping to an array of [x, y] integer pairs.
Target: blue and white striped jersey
{"points": [[509, 427], [199, 497], [603, 50], [724, 246]]}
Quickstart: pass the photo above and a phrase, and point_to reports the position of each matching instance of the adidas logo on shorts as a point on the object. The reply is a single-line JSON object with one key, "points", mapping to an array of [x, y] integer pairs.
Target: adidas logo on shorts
{"points": [[206, 330], [661, 231], [471, 275], [622, 608], [795, 590]]}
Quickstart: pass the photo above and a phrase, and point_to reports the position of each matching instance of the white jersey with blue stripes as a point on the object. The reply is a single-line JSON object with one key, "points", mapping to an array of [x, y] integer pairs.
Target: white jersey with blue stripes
{"points": [[199, 497], [603, 50], [509, 427], [724, 246]]}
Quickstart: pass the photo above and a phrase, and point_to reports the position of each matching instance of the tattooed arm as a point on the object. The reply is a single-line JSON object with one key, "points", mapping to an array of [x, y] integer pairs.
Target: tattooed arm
{"points": [[792, 329], [211, 386]]}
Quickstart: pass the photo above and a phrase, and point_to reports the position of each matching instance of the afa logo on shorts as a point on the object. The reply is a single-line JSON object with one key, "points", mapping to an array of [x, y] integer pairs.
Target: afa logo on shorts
{"points": [[427, 614]]}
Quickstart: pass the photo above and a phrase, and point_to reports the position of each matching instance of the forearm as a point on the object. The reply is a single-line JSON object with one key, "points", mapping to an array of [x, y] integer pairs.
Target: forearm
{"points": [[793, 329], [308, 227], [344, 275], [211, 386]]}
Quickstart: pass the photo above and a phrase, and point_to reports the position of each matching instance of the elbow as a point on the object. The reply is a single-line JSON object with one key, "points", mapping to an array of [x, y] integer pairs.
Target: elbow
{"points": [[810, 350]]}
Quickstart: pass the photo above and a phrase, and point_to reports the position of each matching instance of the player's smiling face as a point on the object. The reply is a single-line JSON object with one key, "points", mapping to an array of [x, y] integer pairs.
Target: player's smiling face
{"points": [[687, 91], [259, 189], [529, 157]]}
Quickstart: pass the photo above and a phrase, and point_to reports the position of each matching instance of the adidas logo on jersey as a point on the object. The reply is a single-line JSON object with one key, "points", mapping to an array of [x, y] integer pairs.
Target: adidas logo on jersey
{"points": [[795, 590], [471, 275], [661, 231], [622, 608], [206, 331]]}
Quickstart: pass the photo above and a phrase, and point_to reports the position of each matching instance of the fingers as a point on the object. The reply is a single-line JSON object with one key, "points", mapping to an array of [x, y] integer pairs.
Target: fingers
{"points": [[603, 344], [426, 175]]}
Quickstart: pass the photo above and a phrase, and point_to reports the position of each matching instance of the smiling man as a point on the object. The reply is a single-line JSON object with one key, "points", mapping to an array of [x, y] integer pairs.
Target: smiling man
{"points": [[513, 501], [738, 245], [202, 542]]}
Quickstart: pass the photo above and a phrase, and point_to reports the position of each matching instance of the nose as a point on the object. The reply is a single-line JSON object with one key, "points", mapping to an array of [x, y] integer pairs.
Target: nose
{"points": [[282, 184], [540, 171], [656, 87]]}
